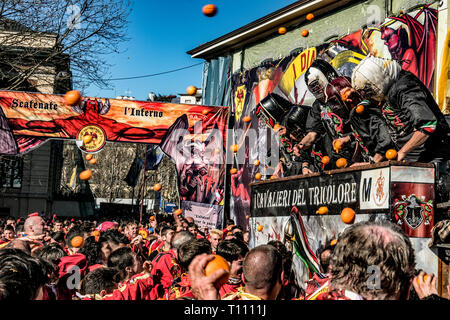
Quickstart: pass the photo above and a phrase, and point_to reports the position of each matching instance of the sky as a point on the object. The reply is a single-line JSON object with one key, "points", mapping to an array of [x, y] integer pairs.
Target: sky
{"points": [[162, 31]]}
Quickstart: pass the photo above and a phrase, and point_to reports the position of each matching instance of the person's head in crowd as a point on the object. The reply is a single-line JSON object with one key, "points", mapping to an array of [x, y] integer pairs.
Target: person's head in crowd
{"points": [[19, 244], [235, 235], [22, 277], [324, 254], [167, 234], [192, 228], [234, 252], [35, 226], [368, 248], [52, 253], [263, 272], [9, 232], [86, 229], [189, 220], [236, 229], [19, 229], [229, 223], [190, 249], [71, 225], [58, 225], [153, 223], [286, 257], [10, 221], [101, 281], [116, 239], [126, 262], [59, 237], [96, 252], [180, 238], [245, 236], [215, 236], [131, 229], [74, 232]]}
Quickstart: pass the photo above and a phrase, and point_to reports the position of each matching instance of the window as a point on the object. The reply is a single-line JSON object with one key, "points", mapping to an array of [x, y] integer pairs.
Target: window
{"points": [[11, 172]]}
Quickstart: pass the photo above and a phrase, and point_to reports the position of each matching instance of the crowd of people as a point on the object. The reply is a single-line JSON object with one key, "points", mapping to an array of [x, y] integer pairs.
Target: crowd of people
{"points": [[164, 258]]}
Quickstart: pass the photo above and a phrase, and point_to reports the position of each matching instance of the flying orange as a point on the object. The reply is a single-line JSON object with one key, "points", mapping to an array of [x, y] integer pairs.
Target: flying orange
{"points": [[348, 215], [209, 10], [72, 98], [85, 175]]}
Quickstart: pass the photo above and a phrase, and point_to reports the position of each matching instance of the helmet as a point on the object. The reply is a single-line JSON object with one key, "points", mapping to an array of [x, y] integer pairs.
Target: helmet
{"points": [[295, 120], [272, 109], [318, 76]]}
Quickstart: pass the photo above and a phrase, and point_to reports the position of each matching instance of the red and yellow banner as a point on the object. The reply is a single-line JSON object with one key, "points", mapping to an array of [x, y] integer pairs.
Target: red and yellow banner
{"points": [[28, 119]]}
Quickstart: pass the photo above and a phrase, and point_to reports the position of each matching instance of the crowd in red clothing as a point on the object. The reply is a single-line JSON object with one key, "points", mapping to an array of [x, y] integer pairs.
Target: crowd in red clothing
{"points": [[164, 257]]}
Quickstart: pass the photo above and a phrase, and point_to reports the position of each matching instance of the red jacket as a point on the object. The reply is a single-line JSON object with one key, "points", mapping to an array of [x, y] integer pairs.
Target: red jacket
{"points": [[230, 288], [165, 269], [66, 271], [140, 287], [180, 288]]}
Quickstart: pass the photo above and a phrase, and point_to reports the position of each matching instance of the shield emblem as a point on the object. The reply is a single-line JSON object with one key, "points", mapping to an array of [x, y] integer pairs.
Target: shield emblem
{"points": [[414, 213]]}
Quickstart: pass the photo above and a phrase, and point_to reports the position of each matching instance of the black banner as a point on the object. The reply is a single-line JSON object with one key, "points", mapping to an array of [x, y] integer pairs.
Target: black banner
{"points": [[307, 194]]}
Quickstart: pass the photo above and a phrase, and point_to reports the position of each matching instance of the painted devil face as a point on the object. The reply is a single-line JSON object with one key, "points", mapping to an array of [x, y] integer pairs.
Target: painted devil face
{"points": [[92, 106], [392, 40]]}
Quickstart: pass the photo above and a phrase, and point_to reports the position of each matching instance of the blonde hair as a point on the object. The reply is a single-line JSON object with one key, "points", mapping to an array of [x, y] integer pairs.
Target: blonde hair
{"points": [[216, 231]]}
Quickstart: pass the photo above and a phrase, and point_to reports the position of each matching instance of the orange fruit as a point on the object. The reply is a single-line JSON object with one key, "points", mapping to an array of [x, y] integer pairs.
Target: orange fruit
{"points": [[234, 148], [93, 161], [216, 264], [87, 139], [258, 176], [391, 154], [359, 109], [424, 279], [95, 233], [348, 215], [209, 10], [305, 33], [256, 163], [341, 163], [322, 210], [247, 119], [310, 16], [72, 98], [85, 175], [259, 228], [333, 242], [233, 171], [205, 112], [152, 218], [337, 145], [326, 160], [247, 217], [89, 157], [178, 212], [191, 90], [276, 127], [282, 30], [77, 242], [157, 187]]}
